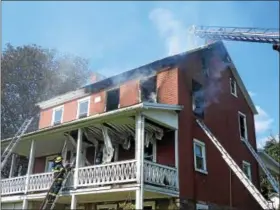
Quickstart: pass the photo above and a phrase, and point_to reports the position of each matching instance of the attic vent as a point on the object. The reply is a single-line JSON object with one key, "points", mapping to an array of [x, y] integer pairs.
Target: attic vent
{"points": [[148, 90], [113, 99]]}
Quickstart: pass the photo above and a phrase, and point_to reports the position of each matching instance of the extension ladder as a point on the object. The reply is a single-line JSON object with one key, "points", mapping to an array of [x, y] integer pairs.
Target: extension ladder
{"points": [[9, 149], [271, 179], [235, 168], [46, 205]]}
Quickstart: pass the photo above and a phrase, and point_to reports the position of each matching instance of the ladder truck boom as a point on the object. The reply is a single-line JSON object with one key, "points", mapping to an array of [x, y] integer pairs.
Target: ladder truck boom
{"points": [[260, 35]]}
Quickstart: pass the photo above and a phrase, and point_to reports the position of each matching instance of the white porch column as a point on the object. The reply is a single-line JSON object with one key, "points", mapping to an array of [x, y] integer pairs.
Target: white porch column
{"points": [[30, 164], [73, 202], [64, 151], [177, 155], [25, 204], [78, 157], [12, 166], [139, 155]]}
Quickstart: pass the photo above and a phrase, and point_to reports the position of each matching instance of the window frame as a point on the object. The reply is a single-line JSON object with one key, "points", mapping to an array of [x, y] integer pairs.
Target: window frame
{"points": [[106, 101], [53, 114], [48, 158], [203, 146], [234, 90], [245, 163], [245, 126], [86, 99], [109, 206], [201, 206]]}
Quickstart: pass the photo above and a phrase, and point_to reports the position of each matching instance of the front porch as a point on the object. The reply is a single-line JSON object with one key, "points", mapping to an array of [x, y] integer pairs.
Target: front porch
{"points": [[117, 151]]}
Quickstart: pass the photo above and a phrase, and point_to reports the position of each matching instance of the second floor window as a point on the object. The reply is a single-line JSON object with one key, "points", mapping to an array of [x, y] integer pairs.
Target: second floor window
{"points": [[83, 108], [199, 156], [242, 126], [198, 100], [113, 99], [148, 88], [57, 115]]}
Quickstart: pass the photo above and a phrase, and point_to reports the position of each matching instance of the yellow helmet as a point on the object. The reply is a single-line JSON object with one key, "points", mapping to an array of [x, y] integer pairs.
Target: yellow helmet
{"points": [[58, 159]]}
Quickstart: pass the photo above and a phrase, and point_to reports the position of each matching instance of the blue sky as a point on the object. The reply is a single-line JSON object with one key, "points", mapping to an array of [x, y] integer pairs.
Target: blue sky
{"points": [[118, 36]]}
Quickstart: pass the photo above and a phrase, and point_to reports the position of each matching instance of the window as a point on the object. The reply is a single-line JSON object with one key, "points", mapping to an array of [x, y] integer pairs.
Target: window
{"points": [[197, 99], [107, 207], [149, 205], [113, 99], [57, 115], [150, 152], [233, 89], [242, 126], [83, 107], [205, 70], [49, 163], [246, 167], [201, 206], [199, 156], [148, 90]]}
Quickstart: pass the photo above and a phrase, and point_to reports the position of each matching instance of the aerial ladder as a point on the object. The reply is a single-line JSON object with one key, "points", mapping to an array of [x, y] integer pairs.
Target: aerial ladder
{"points": [[10, 148], [242, 34], [236, 169]]}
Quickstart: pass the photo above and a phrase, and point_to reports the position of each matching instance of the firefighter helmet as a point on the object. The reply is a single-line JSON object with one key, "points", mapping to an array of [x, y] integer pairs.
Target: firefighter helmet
{"points": [[58, 159]]}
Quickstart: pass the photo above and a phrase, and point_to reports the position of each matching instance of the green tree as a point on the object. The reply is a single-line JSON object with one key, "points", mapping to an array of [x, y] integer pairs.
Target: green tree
{"points": [[272, 148], [30, 74]]}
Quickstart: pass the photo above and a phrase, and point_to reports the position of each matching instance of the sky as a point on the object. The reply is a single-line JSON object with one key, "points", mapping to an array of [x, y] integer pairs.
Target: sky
{"points": [[119, 36]]}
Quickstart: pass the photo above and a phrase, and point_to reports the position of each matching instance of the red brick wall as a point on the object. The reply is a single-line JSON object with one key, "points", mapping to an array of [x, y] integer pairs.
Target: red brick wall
{"points": [[129, 93], [45, 118], [222, 120], [167, 86], [97, 107], [166, 150]]}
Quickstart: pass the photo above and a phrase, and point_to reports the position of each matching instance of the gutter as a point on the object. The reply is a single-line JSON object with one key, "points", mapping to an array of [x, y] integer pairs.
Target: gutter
{"points": [[98, 117]]}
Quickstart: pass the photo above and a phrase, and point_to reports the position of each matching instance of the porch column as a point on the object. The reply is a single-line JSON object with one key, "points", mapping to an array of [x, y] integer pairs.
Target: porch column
{"points": [[30, 164], [177, 155], [73, 202], [12, 166], [139, 154], [64, 152], [25, 204], [78, 157]]}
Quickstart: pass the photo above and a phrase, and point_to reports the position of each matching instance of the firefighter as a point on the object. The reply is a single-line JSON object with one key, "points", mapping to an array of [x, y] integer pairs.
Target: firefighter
{"points": [[59, 174]]}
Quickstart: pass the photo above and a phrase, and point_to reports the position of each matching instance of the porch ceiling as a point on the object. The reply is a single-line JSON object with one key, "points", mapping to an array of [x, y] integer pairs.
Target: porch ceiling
{"points": [[117, 128]]}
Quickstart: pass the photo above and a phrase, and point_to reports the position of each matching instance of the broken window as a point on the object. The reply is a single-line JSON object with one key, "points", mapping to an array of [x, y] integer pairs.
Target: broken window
{"points": [[113, 99], [205, 69], [233, 88], [198, 102], [148, 152], [148, 90], [242, 126]]}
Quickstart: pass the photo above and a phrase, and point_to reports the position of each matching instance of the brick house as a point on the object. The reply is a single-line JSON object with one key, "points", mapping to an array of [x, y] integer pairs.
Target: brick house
{"points": [[158, 154]]}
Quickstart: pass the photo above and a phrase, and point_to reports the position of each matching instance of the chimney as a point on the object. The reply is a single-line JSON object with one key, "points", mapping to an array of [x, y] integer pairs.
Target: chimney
{"points": [[93, 78]]}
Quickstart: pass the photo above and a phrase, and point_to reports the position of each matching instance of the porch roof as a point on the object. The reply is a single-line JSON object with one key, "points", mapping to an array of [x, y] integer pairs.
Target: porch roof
{"points": [[97, 118]]}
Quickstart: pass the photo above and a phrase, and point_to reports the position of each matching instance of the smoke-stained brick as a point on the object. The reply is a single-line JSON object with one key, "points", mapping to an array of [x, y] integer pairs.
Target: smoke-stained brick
{"points": [[97, 103]]}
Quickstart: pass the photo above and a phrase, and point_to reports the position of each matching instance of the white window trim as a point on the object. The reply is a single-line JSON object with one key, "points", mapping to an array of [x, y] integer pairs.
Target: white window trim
{"points": [[233, 92], [250, 171], [245, 124], [150, 203], [53, 113], [110, 206], [80, 101], [202, 206], [197, 142], [48, 158]]}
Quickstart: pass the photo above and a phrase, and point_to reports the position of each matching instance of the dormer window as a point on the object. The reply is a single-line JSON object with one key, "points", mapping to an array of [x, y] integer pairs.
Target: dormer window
{"points": [[57, 115], [83, 107], [233, 88]]}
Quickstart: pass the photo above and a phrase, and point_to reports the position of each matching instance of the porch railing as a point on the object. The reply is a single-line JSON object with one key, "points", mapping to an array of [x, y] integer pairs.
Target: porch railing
{"points": [[98, 175], [13, 185], [112, 173], [160, 175]]}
